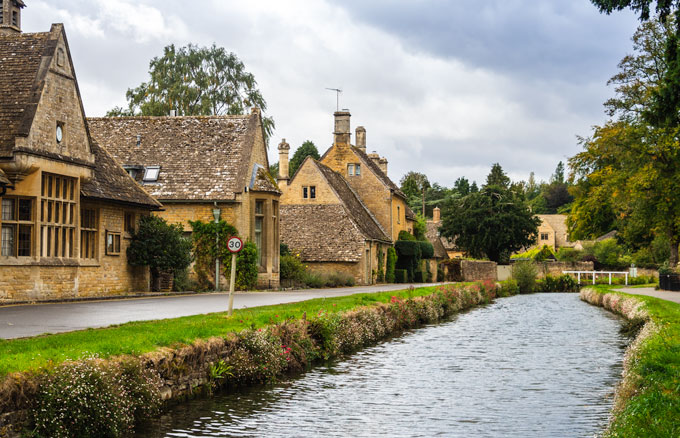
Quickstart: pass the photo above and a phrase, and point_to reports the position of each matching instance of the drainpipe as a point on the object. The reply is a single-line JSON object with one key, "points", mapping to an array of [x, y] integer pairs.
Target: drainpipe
{"points": [[216, 214]]}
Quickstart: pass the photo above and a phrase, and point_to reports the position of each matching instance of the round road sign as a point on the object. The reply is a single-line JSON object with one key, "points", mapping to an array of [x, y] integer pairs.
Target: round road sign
{"points": [[234, 244]]}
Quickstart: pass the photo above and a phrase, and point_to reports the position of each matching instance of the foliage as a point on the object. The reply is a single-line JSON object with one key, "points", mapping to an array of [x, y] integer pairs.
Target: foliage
{"points": [[182, 282], [414, 185], [196, 81], [420, 228], [562, 283], [94, 399], [525, 273], [608, 253], [405, 235], [334, 279], [508, 288], [206, 249], [246, 267], [284, 250], [400, 276], [291, 268], [566, 254], [159, 245], [497, 177], [390, 265], [492, 223], [540, 253], [408, 256], [307, 149], [380, 275], [426, 250]]}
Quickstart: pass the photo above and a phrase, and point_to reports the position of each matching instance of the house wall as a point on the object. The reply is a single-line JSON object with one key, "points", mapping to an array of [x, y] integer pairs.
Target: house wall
{"points": [[308, 175], [545, 228], [41, 279]]}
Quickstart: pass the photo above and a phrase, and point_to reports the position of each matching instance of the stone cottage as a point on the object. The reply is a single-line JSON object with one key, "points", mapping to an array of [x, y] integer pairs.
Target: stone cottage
{"points": [[324, 220], [201, 166], [553, 231], [66, 206]]}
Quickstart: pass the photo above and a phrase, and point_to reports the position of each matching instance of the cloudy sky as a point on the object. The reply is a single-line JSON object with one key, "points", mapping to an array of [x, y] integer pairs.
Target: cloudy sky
{"points": [[443, 87]]}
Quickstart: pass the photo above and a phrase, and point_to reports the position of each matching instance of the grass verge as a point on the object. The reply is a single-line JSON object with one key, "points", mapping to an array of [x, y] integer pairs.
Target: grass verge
{"points": [[136, 338], [648, 398]]}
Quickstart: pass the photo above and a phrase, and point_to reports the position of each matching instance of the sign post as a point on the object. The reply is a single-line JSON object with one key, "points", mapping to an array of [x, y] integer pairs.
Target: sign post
{"points": [[234, 245]]}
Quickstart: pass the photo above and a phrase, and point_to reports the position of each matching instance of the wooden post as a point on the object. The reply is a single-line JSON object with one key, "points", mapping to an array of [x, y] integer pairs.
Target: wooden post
{"points": [[232, 281]]}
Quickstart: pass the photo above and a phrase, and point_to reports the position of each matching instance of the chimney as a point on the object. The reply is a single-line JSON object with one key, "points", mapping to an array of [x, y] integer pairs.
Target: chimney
{"points": [[342, 133], [284, 148], [382, 163], [10, 16], [375, 158], [361, 138], [436, 215]]}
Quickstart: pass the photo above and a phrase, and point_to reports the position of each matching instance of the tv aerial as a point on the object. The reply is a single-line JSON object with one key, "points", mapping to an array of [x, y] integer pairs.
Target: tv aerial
{"points": [[337, 96]]}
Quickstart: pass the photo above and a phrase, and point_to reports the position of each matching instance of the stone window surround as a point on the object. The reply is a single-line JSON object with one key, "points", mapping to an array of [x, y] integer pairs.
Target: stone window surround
{"points": [[113, 243], [545, 236], [15, 222], [354, 169], [260, 231], [308, 192]]}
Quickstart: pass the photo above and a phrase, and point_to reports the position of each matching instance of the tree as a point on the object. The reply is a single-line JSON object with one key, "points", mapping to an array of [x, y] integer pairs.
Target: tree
{"points": [[308, 149], [558, 176], [497, 177], [462, 186], [491, 223], [196, 81], [160, 246], [414, 185]]}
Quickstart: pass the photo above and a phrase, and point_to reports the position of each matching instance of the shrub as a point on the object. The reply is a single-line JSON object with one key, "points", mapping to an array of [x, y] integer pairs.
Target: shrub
{"points": [[568, 255], [400, 276], [380, 275], [525, 273], [206, 249], [426, 250], [313, 279], [182, 282], [644, 258], [92, 399], [419, 277], [246, 267], [661, 249], [507, 288], [608, 253], [291, 268], [563, 283], [440, 274], [284, 250], [390, 265], [405, 235]]}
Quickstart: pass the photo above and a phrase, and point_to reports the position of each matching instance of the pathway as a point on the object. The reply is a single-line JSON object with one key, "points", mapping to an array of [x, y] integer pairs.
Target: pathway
{"points": [[650, 291]]}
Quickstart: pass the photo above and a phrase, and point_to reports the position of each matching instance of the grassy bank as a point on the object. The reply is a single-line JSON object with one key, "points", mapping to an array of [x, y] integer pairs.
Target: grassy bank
{"points": [[91, 394], [648, 398]]}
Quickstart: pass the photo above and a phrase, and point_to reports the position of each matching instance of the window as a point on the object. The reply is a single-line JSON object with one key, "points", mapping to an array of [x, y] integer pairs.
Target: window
{"points": [[544, 236], [151, 173], [15, 18], [88, 233], [357, 169], [112, 243], [58, 215], [129, 223], [354, 169], [305, 192], [350, 169], [1, 8], [275, 224], [16, 234], [398, 214], [309, 192], [259, 230]]}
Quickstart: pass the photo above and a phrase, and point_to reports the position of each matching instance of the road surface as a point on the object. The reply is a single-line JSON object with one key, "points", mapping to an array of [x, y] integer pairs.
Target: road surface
{"points": [[650, 291], [32, 320]]}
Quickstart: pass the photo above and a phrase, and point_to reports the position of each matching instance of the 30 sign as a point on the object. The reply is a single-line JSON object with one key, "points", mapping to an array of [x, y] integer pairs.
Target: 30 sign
{"points": [[234, 245]]}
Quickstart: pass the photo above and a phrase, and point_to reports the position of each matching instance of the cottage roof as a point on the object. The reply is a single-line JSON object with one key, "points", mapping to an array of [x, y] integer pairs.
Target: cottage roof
{"points": [[111, 182], [21, 58], [432, 234], [200, 157], [368, 162], [558, 222]]}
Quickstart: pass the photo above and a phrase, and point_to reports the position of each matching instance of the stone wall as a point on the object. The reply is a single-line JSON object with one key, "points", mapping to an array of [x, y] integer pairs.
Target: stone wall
{"points": [[555, 268], [474, 270]]}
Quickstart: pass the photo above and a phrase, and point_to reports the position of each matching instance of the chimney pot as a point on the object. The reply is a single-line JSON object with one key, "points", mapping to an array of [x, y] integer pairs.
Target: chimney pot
{"points": [[436, 215], [361, 138], [342, 129], [284, 148]]}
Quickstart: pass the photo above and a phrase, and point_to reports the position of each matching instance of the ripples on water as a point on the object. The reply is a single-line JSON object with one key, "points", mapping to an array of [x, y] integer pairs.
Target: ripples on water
{"points": [[541, 365]]}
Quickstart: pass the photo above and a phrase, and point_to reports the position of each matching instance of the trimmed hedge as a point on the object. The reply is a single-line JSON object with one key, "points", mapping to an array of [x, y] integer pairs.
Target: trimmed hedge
{"points": [[400, 276], [426, 250]]}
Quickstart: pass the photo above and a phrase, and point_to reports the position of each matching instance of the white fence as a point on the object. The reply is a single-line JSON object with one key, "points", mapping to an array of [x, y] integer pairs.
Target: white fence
{"points": [[595, 273]]}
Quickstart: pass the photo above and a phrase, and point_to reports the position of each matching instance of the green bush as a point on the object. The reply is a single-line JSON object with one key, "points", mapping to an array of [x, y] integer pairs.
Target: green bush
{"points": [[563, 283], [93, 399], [419, 277], [440, 274], [426, 250], [400, 276], [313, 279], [390, 265], [246, 267], [206, 249], [608, 253], [291, 268], [284, 250], [568, 255], [661, 249], [507, 288], [182, 282], [380, 274], [525, 273], [644, 258], [405, 235]]}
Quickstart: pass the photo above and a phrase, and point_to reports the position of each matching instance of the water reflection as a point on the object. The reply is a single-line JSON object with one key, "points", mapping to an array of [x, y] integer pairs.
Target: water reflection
{"points": [[528, 366]]}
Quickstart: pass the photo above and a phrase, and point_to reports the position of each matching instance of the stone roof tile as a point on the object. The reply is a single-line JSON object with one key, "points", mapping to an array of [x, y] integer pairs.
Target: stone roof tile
{"points": [[432, 234]]}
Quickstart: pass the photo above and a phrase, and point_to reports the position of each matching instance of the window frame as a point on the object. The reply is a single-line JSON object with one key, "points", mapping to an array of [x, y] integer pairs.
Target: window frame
{"points": [[259, 215], [59, 204], [18, 226], [545, 236], [129, 222], [89, 233], [113, 243], [151, 173]]}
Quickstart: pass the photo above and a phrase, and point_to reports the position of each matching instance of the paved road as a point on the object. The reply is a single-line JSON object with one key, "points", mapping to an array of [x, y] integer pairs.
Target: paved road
{"points": [[650, 291], [31, 320]]}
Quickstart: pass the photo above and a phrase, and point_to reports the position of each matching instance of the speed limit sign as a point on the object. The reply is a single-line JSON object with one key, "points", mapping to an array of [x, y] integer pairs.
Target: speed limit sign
{"points": [[234, 244]]}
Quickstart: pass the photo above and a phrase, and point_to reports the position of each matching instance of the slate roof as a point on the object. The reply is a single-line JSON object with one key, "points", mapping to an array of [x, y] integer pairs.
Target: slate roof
{"points": [[20, 88], [380, 174], [432, 234], [201, 157], [112, 183], [330, 232]]}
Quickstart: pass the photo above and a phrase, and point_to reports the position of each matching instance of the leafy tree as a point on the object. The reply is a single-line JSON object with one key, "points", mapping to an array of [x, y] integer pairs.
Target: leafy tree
{"points": [[474, 188], [414, 186], [274, 169], [308, 149], [497, 177], [558, 176], [462, 186], [196, 81], [159, 245], [491, 223]]}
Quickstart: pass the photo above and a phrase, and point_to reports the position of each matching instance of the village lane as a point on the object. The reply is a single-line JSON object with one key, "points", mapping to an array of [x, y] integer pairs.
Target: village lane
{"points": [[35, 319]]}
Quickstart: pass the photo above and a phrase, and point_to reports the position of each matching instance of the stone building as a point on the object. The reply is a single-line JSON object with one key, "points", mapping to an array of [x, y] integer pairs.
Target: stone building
{"points": [[67, 208], [197, 165], [323, 220], [553, 231], [434, 237]]}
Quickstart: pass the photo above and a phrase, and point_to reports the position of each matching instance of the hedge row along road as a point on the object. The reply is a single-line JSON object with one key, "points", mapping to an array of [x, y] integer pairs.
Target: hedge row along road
{"points": [[32, 320]]}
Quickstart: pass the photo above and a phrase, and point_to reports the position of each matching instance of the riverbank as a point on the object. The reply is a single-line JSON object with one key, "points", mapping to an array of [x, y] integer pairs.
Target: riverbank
{"points": [[174, 359], [647, 402]]}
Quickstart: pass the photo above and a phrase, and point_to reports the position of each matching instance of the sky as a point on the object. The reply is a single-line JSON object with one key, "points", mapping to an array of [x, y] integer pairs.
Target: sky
{"points": [[443, 87]]}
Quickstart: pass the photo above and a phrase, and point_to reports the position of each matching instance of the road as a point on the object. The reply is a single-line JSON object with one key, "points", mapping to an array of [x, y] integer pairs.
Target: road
{"points": [[650, 291], [35, 319]]}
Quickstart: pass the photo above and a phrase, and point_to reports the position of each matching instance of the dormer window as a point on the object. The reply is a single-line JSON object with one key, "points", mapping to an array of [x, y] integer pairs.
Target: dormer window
{"points": [[151, 173], [354, 169], [1, 8], [15, 19]]}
